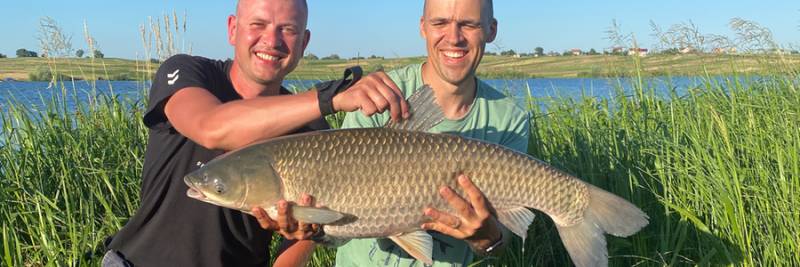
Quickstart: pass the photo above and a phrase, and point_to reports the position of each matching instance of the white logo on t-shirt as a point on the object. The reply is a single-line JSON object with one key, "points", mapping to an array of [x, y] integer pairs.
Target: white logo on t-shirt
{"points": [[173, 77]]}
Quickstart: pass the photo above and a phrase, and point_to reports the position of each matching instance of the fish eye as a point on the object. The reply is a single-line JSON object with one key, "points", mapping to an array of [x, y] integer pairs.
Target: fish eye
{"points": [[219, 186]]}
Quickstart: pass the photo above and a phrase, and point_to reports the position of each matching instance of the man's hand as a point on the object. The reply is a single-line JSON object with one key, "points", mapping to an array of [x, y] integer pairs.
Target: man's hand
{"points": [[475, 221], [374, 93], [285, 224]]}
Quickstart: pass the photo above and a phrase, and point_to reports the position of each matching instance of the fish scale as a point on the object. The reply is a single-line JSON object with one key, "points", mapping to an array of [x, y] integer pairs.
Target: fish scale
{"points": [[373, 169]]}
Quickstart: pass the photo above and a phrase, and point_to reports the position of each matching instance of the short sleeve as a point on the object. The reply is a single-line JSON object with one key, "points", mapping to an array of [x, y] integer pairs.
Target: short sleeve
{"points": [[177, 72]]}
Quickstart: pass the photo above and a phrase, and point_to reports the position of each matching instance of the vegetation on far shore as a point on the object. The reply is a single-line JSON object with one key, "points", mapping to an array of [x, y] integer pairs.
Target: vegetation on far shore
{"points": [[492, 67]]}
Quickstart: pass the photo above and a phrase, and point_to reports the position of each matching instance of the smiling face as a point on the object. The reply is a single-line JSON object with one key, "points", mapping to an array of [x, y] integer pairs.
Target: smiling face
{"points": [[269, 37], [456, 33]]}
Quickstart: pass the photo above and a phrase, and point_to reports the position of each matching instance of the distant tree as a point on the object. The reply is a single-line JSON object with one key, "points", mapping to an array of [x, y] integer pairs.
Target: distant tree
{"points": [[155, 61], [539, 51], [311, 56], [375, 57], [98, 54], [22, 52], [671, 51], [332, 57], [567, 53], [3, 56], [593, 52], [509, 52], [79, 53], [490, 53], [795, 52], [357, 58]]}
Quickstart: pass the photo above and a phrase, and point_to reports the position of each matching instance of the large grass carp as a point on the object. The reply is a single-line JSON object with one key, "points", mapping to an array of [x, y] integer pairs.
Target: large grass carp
{"points": [[376, 183]]}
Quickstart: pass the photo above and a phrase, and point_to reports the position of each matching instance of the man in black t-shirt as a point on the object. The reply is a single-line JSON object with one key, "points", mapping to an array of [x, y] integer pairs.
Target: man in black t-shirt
{"points": [[200, 108]]}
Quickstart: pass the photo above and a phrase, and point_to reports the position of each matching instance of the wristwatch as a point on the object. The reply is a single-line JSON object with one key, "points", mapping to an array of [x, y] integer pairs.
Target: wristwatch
{"points": [[327, 90], [491, 248]]}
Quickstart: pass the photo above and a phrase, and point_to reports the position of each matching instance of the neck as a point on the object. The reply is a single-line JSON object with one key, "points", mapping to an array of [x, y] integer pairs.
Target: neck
{"points": [[248, 88], [454, 99]]}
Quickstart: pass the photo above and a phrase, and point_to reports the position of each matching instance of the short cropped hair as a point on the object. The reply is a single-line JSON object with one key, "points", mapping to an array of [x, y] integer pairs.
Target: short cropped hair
{"points": [[488, 8]]}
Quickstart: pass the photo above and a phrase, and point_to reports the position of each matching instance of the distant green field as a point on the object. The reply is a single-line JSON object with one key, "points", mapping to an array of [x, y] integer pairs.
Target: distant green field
{"points": [[491, 67]]}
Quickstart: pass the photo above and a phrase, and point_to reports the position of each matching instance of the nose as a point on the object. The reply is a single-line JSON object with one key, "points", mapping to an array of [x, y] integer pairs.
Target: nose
{"points": [[453, 34], [271, 37]]}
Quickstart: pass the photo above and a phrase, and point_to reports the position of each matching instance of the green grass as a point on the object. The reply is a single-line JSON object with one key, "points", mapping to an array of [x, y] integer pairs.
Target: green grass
{"points": [[497, 67], [717, 171]]}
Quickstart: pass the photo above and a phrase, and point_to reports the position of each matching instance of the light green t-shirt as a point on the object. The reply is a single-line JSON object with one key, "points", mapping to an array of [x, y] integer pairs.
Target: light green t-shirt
{"points": [[493, 117]]}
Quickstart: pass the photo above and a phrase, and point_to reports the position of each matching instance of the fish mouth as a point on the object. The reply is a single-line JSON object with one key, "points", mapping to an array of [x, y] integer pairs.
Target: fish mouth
{"points": [[193, 193]]}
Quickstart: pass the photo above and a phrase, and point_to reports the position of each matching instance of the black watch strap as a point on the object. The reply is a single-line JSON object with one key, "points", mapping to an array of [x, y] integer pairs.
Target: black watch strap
{"points": [[327, 90]]}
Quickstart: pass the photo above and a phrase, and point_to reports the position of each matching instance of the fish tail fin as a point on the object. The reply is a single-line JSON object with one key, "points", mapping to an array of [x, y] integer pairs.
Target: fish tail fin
{"points": [[606, 213]]}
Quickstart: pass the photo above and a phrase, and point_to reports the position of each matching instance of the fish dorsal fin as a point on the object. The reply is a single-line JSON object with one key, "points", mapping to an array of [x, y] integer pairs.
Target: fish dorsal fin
{"points": [[425, 113], [517, 220], [309, 214], [418, 244]]}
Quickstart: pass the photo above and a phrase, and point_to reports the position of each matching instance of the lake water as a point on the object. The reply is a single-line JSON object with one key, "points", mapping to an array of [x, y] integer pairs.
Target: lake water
{"points": [[34, 94]]}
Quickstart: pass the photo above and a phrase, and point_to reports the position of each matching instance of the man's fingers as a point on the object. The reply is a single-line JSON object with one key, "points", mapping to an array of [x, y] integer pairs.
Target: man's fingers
{"points": [[397, 102], [305, 200], [285, 222], [394, 100], [476, 197], [377, 98], [456, 202], [403, 103], [443, 217], [444, 229], [263, 219]]}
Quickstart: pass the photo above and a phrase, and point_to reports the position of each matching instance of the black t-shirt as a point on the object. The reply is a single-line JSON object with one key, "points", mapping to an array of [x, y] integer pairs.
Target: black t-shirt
{"points": [[171, 229]]}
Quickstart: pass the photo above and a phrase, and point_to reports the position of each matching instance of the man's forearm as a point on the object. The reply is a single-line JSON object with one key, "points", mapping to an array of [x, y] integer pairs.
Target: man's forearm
{"points": [[238, 123]]}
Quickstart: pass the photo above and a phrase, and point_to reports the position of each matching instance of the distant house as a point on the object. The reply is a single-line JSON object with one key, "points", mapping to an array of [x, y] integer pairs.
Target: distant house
{"points": [[724, 50], [688, 50], [642, 52], [576, 52]]}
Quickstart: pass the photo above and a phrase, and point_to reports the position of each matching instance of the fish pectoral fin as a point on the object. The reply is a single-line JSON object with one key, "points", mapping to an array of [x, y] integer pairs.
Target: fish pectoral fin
{"points": [[316, 215], [425, 113], [517, 220], [418, 244]]}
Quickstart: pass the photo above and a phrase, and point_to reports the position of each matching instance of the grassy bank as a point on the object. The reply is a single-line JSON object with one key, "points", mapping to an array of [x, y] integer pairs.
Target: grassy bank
{"points": [[499, 67], [717, 171]]}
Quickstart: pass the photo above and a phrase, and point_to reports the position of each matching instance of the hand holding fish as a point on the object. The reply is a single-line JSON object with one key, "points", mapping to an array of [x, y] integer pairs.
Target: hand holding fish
{"points": [[285, 223], [476, 221], [375, 93]]}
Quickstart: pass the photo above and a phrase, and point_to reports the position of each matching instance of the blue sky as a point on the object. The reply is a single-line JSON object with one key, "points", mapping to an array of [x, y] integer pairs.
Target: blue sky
{"points": [[390, 28]]}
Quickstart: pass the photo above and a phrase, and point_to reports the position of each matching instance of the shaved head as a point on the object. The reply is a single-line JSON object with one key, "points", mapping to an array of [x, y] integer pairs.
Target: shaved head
{"points": [[487, 8], [301, 3]]}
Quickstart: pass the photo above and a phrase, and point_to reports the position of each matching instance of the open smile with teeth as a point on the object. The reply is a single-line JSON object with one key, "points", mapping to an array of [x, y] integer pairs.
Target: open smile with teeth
{"points": [[267, 57], [454, 54]]}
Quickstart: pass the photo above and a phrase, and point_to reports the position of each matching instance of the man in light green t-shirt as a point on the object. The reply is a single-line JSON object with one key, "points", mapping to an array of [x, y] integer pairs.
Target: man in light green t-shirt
{"points": [[456, 33]]}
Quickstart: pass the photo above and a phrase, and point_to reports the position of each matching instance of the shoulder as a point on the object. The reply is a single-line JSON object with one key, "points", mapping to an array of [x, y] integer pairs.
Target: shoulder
{"points": [[406, 72], [499, 101], [407, 78], [188, 63]]}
